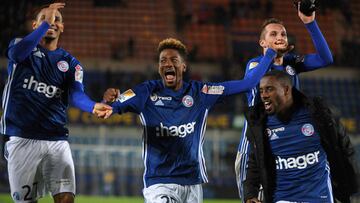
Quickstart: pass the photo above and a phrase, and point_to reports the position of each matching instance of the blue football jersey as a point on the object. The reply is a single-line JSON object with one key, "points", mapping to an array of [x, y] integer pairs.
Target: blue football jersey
{"points": [[302, 170], [37, 92], [174, 128]]}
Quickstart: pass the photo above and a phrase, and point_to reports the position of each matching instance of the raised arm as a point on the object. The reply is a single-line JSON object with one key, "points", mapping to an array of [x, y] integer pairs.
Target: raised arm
{"points": [[252, 78], [323, 56], [19, 50]]}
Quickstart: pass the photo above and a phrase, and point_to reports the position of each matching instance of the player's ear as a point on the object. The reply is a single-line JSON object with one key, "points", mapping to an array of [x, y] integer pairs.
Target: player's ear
{"points": [[184, 70], [262, 43], [33, 25], [61, 27], [61, 24], [287, 90]]}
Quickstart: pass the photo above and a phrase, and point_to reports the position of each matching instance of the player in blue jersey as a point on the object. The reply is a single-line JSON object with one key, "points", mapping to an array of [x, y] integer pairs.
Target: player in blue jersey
{"points": [[173, 113], [299, 153], [273, 35], [42, 79]]}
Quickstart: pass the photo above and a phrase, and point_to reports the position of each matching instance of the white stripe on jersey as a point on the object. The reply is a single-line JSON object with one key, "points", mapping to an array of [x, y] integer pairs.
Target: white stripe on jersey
{"points": [[200, 152], [253, 92], [244, 154], [5, 99], [144, 149], [244, 141], [327, 169]]}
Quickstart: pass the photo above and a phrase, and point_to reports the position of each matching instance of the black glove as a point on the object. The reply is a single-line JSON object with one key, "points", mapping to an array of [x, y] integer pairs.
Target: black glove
{"points": [[307, 7]]}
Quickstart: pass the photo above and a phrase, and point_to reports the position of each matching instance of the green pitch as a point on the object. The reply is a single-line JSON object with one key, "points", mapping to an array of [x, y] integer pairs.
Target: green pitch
{"points": [[5, 198]]}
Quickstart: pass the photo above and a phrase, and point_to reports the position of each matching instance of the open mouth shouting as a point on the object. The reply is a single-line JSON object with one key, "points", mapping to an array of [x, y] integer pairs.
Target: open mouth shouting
{"points": [[170, 76], [268, 106]]}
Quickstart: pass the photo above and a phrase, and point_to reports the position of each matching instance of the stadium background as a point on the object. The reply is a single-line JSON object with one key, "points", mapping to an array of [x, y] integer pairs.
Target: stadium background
{"points": [[116, 42]]}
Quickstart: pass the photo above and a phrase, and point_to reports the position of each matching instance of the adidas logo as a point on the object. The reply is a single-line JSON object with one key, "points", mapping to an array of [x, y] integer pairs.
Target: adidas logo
{"points": [[38, 53], [159, 103], [274, 136]]}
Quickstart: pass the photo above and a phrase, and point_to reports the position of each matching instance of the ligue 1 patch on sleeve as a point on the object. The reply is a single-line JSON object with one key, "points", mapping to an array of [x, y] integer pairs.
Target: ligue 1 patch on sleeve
{"points": [[218, 90], [253, 65], [79, 75], [290, 70], [128, 94]]}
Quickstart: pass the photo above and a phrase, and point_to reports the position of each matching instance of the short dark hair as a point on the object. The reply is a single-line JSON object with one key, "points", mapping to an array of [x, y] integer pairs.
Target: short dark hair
{"points": [[267, 22], [280, 76], [172, 43]]}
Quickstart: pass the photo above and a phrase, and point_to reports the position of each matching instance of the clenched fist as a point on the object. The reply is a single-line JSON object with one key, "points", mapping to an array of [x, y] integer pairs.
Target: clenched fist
{"points": [[111, 95]]}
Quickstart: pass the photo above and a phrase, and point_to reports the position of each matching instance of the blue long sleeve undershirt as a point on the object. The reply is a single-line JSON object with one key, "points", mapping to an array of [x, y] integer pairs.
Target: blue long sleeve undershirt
{"points": [[79, 99], [22, 49], [323, 57], [253, 78]]}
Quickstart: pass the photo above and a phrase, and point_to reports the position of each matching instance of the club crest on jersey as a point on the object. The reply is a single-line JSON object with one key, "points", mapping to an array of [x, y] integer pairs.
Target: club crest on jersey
{"points": [[307, 129], [188, 101], [218, 90], [128, 94], [253, 65], [63, 66], [79, 74], [290, 70]]}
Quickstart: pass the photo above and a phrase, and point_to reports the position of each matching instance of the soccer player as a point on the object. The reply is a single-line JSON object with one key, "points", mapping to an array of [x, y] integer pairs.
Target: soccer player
{"points": [[302, 153], [273, 35], [42, 78], [173, 113]]}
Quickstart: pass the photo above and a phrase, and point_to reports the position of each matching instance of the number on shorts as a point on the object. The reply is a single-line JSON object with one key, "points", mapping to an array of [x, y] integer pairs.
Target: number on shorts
{"points": [[168, 199], [28, 193]]}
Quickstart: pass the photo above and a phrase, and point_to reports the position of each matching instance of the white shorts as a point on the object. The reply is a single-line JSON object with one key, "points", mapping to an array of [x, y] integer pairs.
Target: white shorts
{"points": [[37, 167], [173, 193]]}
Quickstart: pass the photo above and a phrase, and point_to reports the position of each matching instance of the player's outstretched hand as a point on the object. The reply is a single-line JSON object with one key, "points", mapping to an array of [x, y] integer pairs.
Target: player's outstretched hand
{"points": [[304, 18], [102, 110], [51, 11], [111, 95], [253, 200]]}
